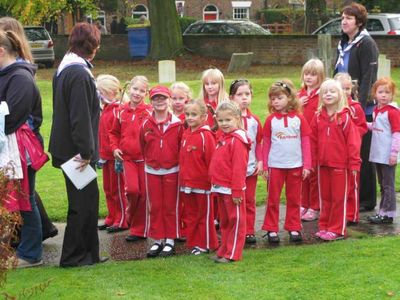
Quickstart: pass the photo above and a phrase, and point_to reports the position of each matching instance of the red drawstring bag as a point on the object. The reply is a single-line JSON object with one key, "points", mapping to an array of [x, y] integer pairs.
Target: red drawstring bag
{"points": [[30, 142]]}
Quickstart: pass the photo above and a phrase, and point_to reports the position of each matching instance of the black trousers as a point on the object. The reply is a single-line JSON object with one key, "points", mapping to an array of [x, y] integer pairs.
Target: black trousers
{"points": [[81, 240], [367, 173]]}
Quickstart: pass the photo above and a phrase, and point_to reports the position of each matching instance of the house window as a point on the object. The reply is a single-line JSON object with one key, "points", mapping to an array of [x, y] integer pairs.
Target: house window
{"points": [[241, 10], [210, 12], [180, 5], [140, 10]]}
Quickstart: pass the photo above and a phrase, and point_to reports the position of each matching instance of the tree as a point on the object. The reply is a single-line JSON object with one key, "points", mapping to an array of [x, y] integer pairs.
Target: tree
{"points": [[315, 11], [166, 35], [35, 12]]}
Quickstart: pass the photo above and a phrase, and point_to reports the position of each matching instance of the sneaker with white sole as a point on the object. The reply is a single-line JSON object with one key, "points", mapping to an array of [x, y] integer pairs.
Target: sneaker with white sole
{"points": [[310, 215], [320, 233], [303, 210], [331, 236], [22, 263]]}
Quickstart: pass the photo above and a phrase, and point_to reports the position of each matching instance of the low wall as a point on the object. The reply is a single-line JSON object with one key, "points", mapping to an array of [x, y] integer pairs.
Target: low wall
{"points": [[272, 49]]}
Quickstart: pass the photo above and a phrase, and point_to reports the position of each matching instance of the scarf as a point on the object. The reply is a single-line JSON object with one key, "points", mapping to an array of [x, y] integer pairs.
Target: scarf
{"points": [[70, 59], [342, 51]]}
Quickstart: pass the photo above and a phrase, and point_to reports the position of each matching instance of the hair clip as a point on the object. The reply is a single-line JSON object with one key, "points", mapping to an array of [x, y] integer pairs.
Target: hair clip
{"points": [[284, 85], [235, 82]]}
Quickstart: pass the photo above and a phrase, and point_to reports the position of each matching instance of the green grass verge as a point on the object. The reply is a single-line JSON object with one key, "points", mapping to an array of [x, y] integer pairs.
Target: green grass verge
{"points": [[351, 269]]}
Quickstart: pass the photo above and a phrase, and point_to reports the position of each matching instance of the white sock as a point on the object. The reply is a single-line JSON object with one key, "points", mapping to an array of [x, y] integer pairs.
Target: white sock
{"points": [[273, 234], [294, 233], [170, 241]]}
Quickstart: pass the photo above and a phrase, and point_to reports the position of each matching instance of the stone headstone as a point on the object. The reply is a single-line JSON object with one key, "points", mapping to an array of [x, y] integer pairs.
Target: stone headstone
{"points": [[240, 61], [166, 71], [384, 69]]}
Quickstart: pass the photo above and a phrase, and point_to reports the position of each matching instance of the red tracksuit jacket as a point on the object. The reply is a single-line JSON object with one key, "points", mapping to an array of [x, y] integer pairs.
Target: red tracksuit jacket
{"points": [[195, 155], [107, 117], [160, 142], [358, 116], [229, 162], [311, 107], [335, 141], [124, 134]]}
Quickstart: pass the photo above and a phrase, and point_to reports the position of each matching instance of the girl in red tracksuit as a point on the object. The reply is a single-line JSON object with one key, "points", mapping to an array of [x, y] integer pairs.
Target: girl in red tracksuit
{"points": [[335, 145], [197, 147], [241, 92], [113, 182], [160, 137], [312, 75], [358, 118], [180, 94], [124, 142], [212, 92], [287, 159], [228, 178]]}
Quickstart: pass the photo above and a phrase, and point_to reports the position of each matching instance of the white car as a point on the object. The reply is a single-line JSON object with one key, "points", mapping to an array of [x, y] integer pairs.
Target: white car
{"points": [[377, 24], [41, 44]]}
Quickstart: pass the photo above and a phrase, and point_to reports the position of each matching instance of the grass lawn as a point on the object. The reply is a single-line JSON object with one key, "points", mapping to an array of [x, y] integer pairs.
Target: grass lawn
{"points": [[351, 269], [50, 182]]}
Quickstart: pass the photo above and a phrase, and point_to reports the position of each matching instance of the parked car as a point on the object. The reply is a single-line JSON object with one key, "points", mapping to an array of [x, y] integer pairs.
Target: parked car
{"points": [[225, 27], [377, 24], [41, 44]]}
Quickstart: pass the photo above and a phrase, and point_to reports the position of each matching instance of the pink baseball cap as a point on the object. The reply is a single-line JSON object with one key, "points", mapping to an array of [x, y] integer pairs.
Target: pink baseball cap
{"points": [[160, 90]]}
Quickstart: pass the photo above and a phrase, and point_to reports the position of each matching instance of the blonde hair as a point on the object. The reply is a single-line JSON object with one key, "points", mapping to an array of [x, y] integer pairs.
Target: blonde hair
{"points": [[183, 87], [313, 66], [233, 108], [11, 24], [342, 103], [200, 103], [286, 87], [216, 75], [110, 84]]}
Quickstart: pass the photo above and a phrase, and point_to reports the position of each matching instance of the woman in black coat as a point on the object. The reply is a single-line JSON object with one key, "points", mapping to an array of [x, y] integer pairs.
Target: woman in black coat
{"points": [[358, 56], [74, 130]]}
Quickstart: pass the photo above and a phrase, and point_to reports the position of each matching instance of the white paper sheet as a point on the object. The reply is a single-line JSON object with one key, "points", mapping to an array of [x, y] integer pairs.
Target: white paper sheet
{"points": [[79, 178]]}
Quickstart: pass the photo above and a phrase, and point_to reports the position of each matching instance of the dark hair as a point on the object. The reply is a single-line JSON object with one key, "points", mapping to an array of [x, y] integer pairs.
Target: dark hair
{"points": [[11, 42], [358, 11], [84, 39], [238, 83]]}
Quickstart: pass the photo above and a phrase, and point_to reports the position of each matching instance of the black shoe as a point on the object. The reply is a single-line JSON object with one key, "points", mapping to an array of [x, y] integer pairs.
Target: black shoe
{"points": [[102, 227], [251, 239], [379, 219], [295, 238], [134, 238], [155, 252], [52, 233], [351, 223], [272, 239], [181, 240], [113, 229], [166, 253]]}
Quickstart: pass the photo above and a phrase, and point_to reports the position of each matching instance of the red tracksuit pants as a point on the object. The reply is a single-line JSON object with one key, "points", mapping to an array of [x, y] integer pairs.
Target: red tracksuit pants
{"points": [[309, 192], [113, 185], [164, 204], [353, 199], [333, 187], [137, 213], [292, 179], [232, 226], [251, 186], [199, 219]]}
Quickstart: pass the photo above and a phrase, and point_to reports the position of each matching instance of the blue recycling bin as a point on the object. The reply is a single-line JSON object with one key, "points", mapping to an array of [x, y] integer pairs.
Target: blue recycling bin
{"points": [[139, 41]]}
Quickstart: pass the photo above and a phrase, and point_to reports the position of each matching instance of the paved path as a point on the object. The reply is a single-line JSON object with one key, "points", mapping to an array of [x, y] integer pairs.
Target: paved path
{"points": [[114, 245]]}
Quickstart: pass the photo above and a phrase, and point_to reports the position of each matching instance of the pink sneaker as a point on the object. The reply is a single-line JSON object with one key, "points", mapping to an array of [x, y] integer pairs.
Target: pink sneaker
{"points": [[331, 236], [303, 210], [310, 215], [320, 233]]}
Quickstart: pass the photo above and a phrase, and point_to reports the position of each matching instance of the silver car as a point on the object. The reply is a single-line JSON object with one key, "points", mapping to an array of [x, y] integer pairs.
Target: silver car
{"points": [[225, 27], [41, 45], [377, 24]]}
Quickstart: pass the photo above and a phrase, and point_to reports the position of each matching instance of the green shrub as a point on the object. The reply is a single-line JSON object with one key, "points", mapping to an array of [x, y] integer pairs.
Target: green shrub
{"points": [[280, 15], [184, 22]]}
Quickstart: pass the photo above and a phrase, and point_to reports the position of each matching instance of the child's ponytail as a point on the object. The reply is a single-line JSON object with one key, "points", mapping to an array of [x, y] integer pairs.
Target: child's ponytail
{"points": [[12, 43]]}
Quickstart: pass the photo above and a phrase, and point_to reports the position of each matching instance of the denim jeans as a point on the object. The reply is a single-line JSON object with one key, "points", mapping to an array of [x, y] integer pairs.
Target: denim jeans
{"points": [[30, 246]]}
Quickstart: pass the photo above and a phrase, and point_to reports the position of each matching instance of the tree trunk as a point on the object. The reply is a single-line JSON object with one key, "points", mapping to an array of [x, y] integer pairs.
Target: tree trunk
{"points": [[166, 36]]}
